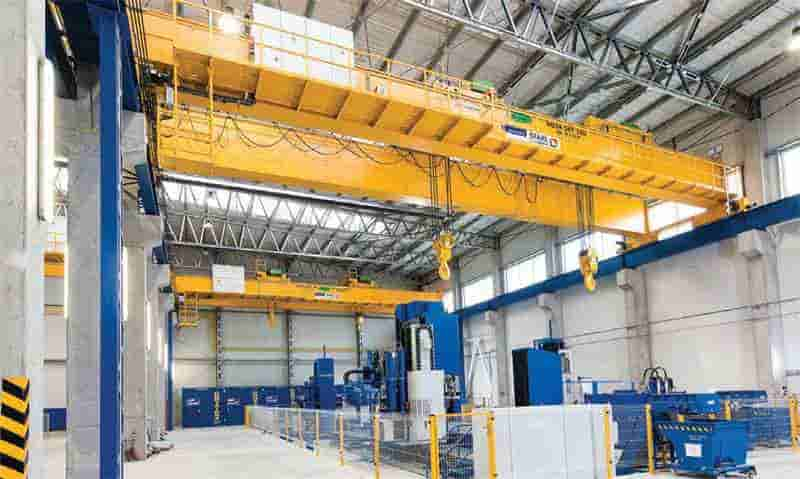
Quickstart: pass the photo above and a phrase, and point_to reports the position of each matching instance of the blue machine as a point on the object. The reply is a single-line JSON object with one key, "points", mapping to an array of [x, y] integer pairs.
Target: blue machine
{"points": [[320, 391], [686, 429], [448, 353], [202, 407], [538, 378], [272, 396], [707, 447]]}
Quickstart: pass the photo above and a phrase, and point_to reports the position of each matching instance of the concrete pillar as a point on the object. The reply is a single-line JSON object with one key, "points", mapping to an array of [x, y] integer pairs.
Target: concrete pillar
{"points": [[23, 236], [134, 373], [552, 252], [290, 359], [637, 322], [158, 278], [503, 372], [759, 249], [84, 365], [553, 309]]}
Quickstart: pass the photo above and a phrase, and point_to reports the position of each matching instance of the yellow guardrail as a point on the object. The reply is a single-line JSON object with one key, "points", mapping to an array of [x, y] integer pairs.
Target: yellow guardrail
{"points": [[794, 414]]}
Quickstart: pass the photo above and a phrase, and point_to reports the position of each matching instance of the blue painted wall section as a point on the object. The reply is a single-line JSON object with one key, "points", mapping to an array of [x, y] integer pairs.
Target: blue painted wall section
{"points": [[756, 219]]}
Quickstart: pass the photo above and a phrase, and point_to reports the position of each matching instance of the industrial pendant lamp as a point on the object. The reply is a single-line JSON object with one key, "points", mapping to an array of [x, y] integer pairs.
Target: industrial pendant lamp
{"points": [[794, 40]]}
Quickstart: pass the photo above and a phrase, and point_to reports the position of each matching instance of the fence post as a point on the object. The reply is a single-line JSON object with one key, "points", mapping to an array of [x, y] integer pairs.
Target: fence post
{"points": [[376, 441], [795, 423], [607, 435], [287, 424], [490, 438], [651, 461], [316, 429], [300, 426], [434, 439], [341, 439], [728, 410]]}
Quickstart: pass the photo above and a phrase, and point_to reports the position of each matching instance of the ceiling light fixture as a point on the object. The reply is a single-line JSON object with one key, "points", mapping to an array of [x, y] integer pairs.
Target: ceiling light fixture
{"points": [[794, 40]]}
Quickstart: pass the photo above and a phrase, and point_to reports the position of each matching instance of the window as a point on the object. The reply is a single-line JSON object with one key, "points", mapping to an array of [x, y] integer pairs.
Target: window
{"points": [[669, 213], [790, 170], [449, 301], [675, 230], [478, 291], [605, 244], [527, 272]]}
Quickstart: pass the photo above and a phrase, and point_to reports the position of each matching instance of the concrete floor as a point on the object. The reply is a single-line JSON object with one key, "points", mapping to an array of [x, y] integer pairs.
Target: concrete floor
{"points": [[235, 453], [232, 453]]}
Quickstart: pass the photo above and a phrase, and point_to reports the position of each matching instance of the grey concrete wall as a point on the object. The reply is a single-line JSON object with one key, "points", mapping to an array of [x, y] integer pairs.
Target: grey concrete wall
{"points": [[22, 239]]}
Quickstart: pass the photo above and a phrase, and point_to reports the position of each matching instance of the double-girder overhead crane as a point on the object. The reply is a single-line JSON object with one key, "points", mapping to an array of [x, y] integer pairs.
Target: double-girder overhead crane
{"points": [[391, 131]]}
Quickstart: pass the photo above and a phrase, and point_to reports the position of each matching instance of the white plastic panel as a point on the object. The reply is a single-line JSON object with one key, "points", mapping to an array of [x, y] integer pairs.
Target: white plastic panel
{"points": [[342, 56], [319, 52], [546, 442]]}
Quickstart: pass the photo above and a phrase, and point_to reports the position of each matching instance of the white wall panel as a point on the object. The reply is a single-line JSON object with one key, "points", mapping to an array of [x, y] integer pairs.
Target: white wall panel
{"points": [[56, 332], [55, 385], [602, 356], [712, 349], [379, 333]]}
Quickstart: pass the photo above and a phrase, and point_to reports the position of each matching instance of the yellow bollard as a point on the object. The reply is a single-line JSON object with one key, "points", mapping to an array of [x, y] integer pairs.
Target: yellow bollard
{"points": [[794, 415], [316, 428], [728, 411], [609, 450], [247, 416], [492, 451], [651, 461], [341, 439], [376, 441], [434, 439]]}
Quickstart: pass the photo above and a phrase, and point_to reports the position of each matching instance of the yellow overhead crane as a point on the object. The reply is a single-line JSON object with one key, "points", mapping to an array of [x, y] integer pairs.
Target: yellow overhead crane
{"points": [[378, 134], [402, 133], [271, 294]]}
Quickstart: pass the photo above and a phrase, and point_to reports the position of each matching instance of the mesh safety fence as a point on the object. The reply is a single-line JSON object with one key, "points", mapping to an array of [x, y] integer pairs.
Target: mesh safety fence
{"points": [[769, 421], [631, 452]]}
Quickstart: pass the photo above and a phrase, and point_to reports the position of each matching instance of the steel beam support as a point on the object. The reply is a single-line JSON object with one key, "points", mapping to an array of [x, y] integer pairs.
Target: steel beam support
{"points": [[290, 346], [533, 60], [497, 43], [705, 95], [584, 92], [361, 18], [692, 52], [106, 25], [219, 353], [723, 62], [474, 5], [401, 38], [311, 7]]}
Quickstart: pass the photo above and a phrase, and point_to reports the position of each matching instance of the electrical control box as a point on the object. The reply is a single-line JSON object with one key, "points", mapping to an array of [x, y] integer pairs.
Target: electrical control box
{"points": [[538, 380]]}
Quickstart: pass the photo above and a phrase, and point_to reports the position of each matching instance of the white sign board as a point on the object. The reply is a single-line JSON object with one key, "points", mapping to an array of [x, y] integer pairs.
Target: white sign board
{"points": [[227, 279], [694, 450]]}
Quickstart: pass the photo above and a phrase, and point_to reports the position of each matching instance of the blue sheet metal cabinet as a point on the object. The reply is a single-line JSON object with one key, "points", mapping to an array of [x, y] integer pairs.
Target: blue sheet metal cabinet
{"points": [[202, 407], [538, 380], [236, 398]]}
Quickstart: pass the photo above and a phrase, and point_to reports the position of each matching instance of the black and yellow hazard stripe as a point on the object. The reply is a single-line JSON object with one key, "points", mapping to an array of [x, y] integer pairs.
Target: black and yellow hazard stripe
{"points": [[14, 417]]}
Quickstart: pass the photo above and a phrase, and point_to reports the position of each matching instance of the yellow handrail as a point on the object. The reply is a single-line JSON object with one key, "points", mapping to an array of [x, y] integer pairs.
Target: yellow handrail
{"points": [[490, 437], [376, 440], [341, 439]]}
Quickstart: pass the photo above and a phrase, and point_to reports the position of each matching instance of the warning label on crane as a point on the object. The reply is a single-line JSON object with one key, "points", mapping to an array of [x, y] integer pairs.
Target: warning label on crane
{"points": [[326, 294], [534, 137]]}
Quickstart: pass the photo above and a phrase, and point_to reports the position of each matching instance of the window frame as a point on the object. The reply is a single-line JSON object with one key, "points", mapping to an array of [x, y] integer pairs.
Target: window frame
{"points": [[489, 277], [794, 148], [531, 257]]}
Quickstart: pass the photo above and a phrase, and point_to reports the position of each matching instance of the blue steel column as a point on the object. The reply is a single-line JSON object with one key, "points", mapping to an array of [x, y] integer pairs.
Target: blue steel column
{"points": [[106, 25]]}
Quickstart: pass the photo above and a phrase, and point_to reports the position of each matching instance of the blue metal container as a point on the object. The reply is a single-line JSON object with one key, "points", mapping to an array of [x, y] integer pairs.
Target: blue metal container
{"points": [[538, 380], [706, 447]]}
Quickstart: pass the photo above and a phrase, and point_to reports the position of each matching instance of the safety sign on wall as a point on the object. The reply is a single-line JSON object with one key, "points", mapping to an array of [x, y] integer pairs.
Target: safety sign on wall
{"points": [[227, 279]]}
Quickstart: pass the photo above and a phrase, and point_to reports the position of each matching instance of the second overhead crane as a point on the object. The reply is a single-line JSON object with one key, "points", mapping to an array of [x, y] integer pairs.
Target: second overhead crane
{"points": [[383, 135]]}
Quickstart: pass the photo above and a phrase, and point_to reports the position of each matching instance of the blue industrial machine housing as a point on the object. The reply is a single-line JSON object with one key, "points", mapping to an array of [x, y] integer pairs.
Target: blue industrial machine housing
{"points": [[201, 408], [687, 427], [57, 419], [320, 390], [448, 344], [707, 447], [538, 378]]}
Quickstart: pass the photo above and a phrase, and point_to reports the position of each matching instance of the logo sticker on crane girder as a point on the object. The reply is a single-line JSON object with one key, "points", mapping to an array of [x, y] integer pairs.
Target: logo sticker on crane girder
{"points": [[530, 136]]}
